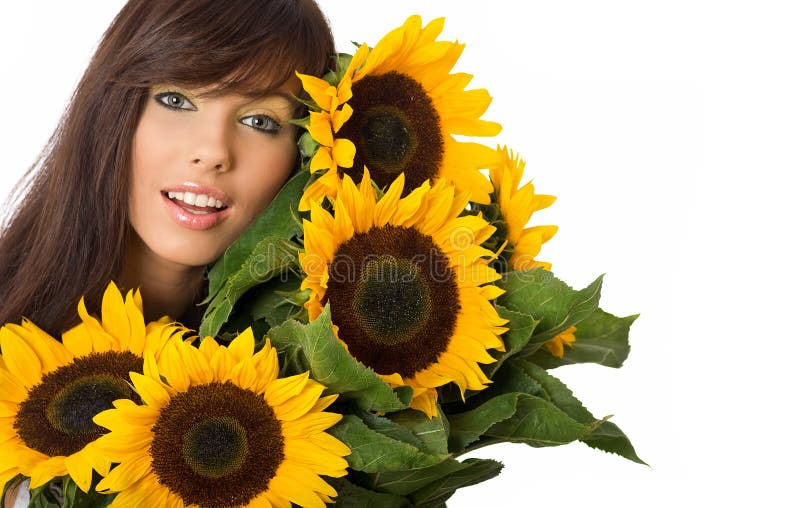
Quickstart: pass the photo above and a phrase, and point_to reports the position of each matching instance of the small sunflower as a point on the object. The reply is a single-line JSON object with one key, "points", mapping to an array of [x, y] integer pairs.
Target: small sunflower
{"points": [[222, 431], [556, 345], [49, 391], [403, 107], [407, 283], [517, 204]]}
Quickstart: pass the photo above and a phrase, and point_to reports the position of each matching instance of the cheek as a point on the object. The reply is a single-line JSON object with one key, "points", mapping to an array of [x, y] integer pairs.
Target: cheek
{"points": [[150, 155], [268, 171]]}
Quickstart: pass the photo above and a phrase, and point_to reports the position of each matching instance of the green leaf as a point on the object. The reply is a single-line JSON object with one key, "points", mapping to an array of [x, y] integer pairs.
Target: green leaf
{"points": [[538, 423], [271, 256], [349, 495], [424, 483], [520, 330], [601, 338], [610, 438], [264, 250], [389, 428], [550, 301], [431, 432], [273, 303], [373, 452], [273, 221], [315, 346], [473, 471], [607, 436], [468, 427]]}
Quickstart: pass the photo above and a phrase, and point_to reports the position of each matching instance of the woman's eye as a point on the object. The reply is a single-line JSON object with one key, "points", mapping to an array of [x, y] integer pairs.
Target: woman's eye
{"points": [[175, 100], [262, 123]]}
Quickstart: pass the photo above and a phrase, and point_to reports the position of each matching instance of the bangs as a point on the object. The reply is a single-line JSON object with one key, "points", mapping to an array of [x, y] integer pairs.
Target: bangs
{"points": [[246, 47]]}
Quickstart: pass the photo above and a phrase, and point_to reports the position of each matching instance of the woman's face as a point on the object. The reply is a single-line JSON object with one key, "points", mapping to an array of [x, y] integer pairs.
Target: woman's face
{"points": [[204, 168]]}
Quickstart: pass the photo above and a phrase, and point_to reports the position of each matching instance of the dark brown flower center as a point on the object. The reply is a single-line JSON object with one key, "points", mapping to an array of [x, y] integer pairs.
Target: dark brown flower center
{"points": [[394, 298], [396, 128], [56, 418], [217, 445]]}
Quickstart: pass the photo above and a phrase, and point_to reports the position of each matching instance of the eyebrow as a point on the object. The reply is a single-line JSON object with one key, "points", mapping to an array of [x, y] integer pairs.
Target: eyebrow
{"points": [[289, 98]]}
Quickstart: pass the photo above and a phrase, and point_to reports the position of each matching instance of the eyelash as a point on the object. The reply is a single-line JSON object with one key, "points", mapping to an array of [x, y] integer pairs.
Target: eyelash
{"points": [[273, 124]]}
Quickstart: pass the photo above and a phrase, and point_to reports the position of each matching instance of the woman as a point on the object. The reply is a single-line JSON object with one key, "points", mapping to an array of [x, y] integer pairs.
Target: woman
{"points": [[176, 137]]}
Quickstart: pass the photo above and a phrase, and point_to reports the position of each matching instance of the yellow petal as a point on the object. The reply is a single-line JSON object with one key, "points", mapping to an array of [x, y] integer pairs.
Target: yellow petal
{"points": [[243, 345], [80, 470], [20, 359]]}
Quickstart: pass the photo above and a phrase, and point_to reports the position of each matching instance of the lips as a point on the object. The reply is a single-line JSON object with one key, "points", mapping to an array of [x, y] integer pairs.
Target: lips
{"points": [[194, 217]]}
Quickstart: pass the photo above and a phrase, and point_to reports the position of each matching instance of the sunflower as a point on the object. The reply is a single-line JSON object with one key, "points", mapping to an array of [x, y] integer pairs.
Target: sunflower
{"points": [[403, 107], [222, 431], [407, 284], [517, 204], [556, 345], [49, 391]]}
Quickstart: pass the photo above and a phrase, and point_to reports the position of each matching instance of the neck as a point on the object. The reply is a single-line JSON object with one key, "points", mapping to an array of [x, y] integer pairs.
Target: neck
{"points": [[167, 288]]}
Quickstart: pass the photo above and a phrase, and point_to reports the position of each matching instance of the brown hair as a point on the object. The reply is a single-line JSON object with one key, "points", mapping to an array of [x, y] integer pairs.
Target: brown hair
{"points": [[52, 251]]}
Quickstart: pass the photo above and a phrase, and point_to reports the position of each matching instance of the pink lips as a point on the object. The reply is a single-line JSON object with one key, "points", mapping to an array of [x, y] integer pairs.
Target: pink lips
{"points": [[189, 220]]}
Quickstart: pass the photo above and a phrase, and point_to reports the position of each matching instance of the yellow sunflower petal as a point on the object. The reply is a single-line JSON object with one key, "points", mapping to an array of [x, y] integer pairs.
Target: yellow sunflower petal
{"points": [[20, 359], [80, 469], [46, 470]]}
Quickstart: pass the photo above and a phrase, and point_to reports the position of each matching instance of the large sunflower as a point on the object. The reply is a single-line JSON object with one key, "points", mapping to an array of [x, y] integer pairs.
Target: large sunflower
{"points": [[517, 204], [403, 107], [49, 391], [407, 284], [222, 431]]}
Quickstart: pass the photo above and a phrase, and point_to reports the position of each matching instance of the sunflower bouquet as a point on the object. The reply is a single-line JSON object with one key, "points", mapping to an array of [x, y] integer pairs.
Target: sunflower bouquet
{"points": [[384, 316]]}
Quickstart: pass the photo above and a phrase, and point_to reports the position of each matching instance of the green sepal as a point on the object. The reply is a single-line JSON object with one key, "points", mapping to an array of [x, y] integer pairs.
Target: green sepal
{"points": [[557, 306], [601, 338], [607, 436], [263, 251], [374, 452], [350, 495], [301, 122], [307, 145], [314, 347]]}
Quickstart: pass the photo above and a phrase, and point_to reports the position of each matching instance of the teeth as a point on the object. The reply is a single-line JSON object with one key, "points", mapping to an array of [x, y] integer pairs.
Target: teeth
{"points": [[191, 198]]}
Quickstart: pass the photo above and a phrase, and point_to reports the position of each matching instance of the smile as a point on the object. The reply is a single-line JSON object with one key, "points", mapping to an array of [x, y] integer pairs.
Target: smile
{"points": [[200, 215]]}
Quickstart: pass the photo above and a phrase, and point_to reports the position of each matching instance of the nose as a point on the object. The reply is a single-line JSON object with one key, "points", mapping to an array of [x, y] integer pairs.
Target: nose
{"points": [[212, 149]]}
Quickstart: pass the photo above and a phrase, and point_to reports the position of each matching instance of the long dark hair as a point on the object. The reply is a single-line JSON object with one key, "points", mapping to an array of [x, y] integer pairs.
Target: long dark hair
{"points": [[52, 251]]}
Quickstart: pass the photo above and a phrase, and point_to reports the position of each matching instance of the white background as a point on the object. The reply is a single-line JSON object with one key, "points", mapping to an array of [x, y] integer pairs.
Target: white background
{"points": [[669, 133]]}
